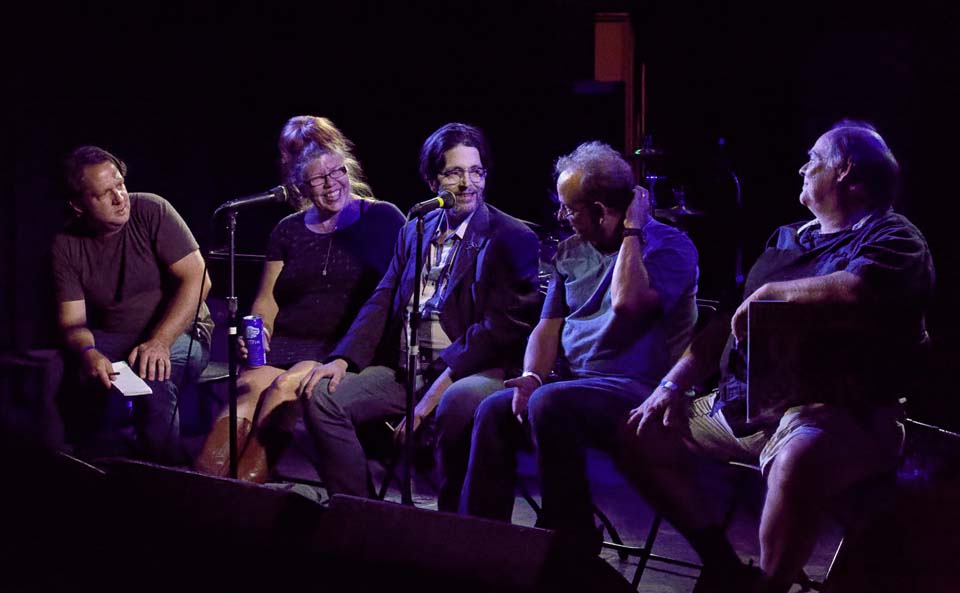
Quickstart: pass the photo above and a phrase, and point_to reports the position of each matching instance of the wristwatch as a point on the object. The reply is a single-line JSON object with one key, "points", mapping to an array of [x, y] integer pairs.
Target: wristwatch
{"points": [[670, 385], [633, 232], [674, 388]]}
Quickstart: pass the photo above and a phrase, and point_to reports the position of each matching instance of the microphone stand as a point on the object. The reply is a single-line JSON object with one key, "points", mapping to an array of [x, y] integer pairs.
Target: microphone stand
{"points": [[413, 354], [232, 339], [738, 256], [277, 194], [738, 253]]}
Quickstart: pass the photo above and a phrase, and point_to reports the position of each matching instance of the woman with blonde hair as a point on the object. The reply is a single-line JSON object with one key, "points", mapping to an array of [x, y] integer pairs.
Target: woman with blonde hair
{"points": [[322, 263], [301, 130]]}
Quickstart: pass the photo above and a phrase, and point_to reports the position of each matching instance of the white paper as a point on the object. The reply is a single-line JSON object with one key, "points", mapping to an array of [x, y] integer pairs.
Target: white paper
{"points": [[128, 382]]}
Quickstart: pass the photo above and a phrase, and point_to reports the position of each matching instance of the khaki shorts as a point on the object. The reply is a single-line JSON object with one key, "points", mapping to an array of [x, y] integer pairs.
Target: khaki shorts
{"points": [[869, 446]]}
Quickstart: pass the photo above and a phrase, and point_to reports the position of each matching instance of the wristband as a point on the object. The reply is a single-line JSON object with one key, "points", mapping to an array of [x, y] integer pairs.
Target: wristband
{"points": [[533, 374], [88, 347], [632, 232]]}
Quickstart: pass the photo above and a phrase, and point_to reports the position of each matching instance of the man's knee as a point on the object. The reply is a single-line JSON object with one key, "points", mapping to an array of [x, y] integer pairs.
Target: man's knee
{"points": [[345, 402], [324, 401], [458, 406], [800, 469], [323, 415], [548, 405], [492, 411], [164, 394], [188, 367], [655, 448]]}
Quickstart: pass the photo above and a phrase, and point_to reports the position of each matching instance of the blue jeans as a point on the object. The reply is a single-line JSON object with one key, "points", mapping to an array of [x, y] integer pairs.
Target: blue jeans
{"points": [[564, 418], [99, 416], [374, 394]]}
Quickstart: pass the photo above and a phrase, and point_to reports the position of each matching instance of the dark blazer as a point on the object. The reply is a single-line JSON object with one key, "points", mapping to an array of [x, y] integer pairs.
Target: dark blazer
{"points": [[490, 307]]}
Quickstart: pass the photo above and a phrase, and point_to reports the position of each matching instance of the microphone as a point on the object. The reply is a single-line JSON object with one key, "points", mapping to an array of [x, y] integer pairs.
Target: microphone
{"points": [[443, 200], [276, 195]]}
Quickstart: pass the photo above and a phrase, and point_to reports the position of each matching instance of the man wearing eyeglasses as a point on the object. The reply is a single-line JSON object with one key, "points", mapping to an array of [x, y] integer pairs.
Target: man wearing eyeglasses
{"points": [[478, 301], [620, 309]]}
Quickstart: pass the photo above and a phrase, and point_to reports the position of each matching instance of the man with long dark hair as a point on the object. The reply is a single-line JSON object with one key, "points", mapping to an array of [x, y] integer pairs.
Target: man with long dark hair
{"points": [[478, 297]]}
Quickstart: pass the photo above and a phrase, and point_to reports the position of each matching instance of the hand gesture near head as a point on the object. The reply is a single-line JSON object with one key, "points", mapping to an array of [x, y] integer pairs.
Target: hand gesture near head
{"points": [[638, 212]]}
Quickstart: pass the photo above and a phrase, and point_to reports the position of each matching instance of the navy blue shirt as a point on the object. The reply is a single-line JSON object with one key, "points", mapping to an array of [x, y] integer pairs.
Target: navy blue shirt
{"points": [[326, 278], [884, 249]]}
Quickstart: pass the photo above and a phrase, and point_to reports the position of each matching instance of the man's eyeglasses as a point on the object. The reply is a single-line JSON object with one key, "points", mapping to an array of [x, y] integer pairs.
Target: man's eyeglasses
{"points": [[321, 180], [474, 174], [567, 212]]}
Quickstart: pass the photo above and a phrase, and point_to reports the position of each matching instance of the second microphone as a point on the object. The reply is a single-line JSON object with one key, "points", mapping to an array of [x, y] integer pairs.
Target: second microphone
{"points": [[443, 200]]}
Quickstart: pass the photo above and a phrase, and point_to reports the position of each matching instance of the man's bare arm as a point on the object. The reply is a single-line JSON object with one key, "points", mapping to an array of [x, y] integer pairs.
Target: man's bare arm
{"points": [[192, 284], [72, 320], [631, 295], [837, 288]]}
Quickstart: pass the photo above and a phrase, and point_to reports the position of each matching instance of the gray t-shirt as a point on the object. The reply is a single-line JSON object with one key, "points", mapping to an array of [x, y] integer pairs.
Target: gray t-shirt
{"points": [[593, 341], [124, 277]]}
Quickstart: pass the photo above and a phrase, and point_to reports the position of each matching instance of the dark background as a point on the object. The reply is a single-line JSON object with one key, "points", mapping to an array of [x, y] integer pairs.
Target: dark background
{"points": [[193, 95]]}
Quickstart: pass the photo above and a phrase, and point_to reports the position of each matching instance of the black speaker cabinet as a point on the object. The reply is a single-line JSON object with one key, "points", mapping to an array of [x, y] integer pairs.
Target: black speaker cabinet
{"points": [[161, 529]]}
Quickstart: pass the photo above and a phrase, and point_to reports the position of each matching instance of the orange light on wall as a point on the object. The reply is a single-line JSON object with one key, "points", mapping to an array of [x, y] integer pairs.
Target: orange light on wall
{"points": [[613, 59]]}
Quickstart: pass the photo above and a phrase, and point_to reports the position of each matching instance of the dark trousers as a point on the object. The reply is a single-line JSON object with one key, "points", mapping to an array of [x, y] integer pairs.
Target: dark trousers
{"points": [[98, 420], [374, 394], [563, 419]]}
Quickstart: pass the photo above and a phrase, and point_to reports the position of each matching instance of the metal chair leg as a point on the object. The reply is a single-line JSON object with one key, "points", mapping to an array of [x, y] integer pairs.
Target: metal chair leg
{"points": [[530, 500], [612, 532], [389, 475], [647, 548]]}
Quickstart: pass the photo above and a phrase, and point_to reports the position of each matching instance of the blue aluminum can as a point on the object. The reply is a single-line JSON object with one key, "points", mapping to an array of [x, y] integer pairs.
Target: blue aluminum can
{"points": [[253, 338]]}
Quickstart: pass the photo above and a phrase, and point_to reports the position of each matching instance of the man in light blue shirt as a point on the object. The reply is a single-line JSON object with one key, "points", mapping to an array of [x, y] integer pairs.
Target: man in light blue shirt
{"points": [[620, 309]]}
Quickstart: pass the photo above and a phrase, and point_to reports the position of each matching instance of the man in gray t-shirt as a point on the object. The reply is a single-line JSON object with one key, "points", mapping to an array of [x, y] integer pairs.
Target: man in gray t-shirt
{"points": [[619, 311], [128, 276]]}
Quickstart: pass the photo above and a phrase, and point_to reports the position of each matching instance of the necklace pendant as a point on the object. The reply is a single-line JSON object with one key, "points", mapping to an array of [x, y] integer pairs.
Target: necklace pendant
{"points": [[324, 273]]}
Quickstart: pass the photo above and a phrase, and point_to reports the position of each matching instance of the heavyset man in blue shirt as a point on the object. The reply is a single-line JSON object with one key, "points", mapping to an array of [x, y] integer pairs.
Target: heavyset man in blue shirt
{"points": [[857, 253], [619, 311]]}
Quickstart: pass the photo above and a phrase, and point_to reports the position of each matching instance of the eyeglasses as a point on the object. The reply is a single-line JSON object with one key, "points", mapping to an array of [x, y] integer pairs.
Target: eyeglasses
{"points": [[321, 180], [451, 176], [567, 212]]}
